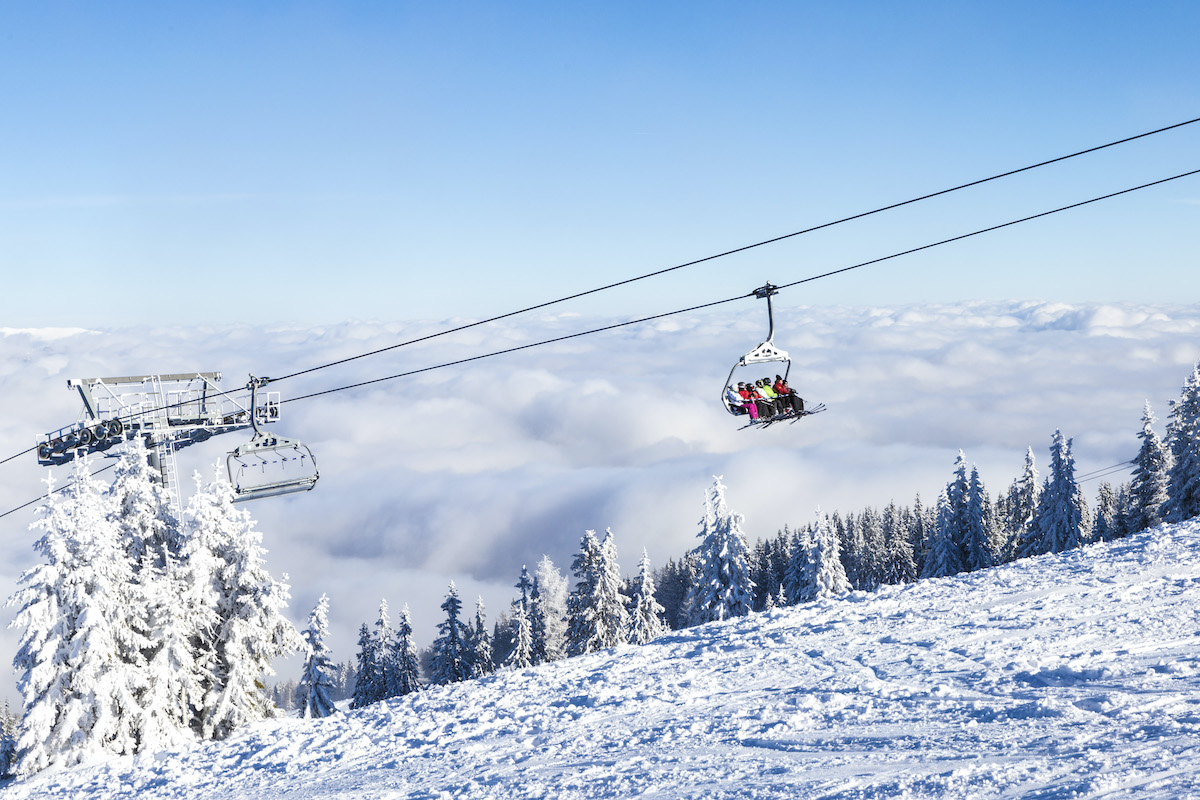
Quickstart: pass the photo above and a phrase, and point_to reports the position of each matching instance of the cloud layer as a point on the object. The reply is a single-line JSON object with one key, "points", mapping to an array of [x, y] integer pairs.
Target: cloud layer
{"points": [[471, 471]]}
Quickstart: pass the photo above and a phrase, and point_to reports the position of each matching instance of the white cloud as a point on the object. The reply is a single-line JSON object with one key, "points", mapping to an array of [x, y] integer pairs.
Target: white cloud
{"points": [[471, 471]]}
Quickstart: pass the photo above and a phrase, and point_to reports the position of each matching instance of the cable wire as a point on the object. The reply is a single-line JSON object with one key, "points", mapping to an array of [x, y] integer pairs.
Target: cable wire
{"points": [[690, 308], [742, 249], [988, 230], [1106, 471], [743, 296], [519, 347], [53, 491], [773, 240]]}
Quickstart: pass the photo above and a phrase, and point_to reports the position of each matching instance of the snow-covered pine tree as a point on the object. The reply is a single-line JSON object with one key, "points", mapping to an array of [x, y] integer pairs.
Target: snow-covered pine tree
{"points": [[800, 582], [854, 552], [874, 549], [251, 630], [958, 496], [760, 572], [1122, 512], [781, 556], [581, 622], [367, 686], [828, 572], [1183, 438], [347, 679], [315, 690], [918, 533], [981, 538], [404, 654], [1062, 520], [899, 565], [81, 695], [646, 617], [1148, 490], [552, 609], [479, 643], [1103, 525], [159, 621], [674, 582], [159, 617], [522, 654], [537, 622], [524, 585], [942, 554], [1023, 499], [389, 682], [8, 741], [725, 588], [609, 614], [451, 661], [502, 640]]}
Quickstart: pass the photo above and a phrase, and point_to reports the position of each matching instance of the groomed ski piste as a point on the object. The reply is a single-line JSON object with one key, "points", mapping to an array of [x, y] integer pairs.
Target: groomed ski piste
{"points": [[1069, 675]]}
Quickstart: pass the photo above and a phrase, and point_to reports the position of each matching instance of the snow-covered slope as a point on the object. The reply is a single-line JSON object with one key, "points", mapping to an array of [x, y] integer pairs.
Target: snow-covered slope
{"points": [[1075, 675]]}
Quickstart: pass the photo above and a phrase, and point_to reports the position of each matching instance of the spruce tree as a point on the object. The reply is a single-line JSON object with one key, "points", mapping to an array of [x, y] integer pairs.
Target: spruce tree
{"points": [[900, 566], [1062, 520], [1183, 437], [825, 571], [404, 655], [251, 630], [451, 661], [646, 617], [522, 654], [943, 556], [388, 680], [79, 667], [609, 615], [581, 622], [315, 689], [537, 623], [800, 583], [1103, 523], [918, 533], [552, 609], [874, 549], [1148, 490], [854, 552], [958, 496], [725, 588], [781, 555], [981, 538], [480, 644], [366, 687], [1023, 499], [159, 619], [8, 742]]}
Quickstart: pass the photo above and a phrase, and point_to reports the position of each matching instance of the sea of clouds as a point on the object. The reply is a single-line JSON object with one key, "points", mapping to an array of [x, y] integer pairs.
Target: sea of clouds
{"points": [[467, 473]]}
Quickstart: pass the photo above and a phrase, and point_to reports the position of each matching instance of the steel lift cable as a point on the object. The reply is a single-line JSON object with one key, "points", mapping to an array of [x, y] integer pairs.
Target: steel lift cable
{"points": [[742, 249], [743, 296], [988, 230], [710, 304], [721, 255]]}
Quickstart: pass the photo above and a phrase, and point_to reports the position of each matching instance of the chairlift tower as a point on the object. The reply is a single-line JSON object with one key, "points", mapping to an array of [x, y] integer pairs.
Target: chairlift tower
{"points": [[178, 410]]}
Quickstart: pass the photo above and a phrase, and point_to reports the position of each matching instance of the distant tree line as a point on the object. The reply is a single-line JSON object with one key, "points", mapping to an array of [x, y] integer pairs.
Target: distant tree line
{"points": [[965, 529]]}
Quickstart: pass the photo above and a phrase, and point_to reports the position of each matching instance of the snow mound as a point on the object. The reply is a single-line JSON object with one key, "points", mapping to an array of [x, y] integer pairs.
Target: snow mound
{"points": [[1071, 675]]}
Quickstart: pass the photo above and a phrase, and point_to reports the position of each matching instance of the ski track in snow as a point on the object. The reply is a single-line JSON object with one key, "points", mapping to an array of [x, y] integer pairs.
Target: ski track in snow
{"points": [[1072, 675]]}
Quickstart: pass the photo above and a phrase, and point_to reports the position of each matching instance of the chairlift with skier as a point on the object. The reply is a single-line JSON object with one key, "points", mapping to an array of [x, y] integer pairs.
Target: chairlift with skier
{"points": [[766, 353]]}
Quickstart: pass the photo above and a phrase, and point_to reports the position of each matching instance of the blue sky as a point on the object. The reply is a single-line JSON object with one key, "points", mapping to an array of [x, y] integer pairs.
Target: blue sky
{"points": [[314, 163]]}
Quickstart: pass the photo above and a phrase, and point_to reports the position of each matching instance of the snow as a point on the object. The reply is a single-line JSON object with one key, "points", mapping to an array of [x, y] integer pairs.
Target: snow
{"points": [[1066, 675]]}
